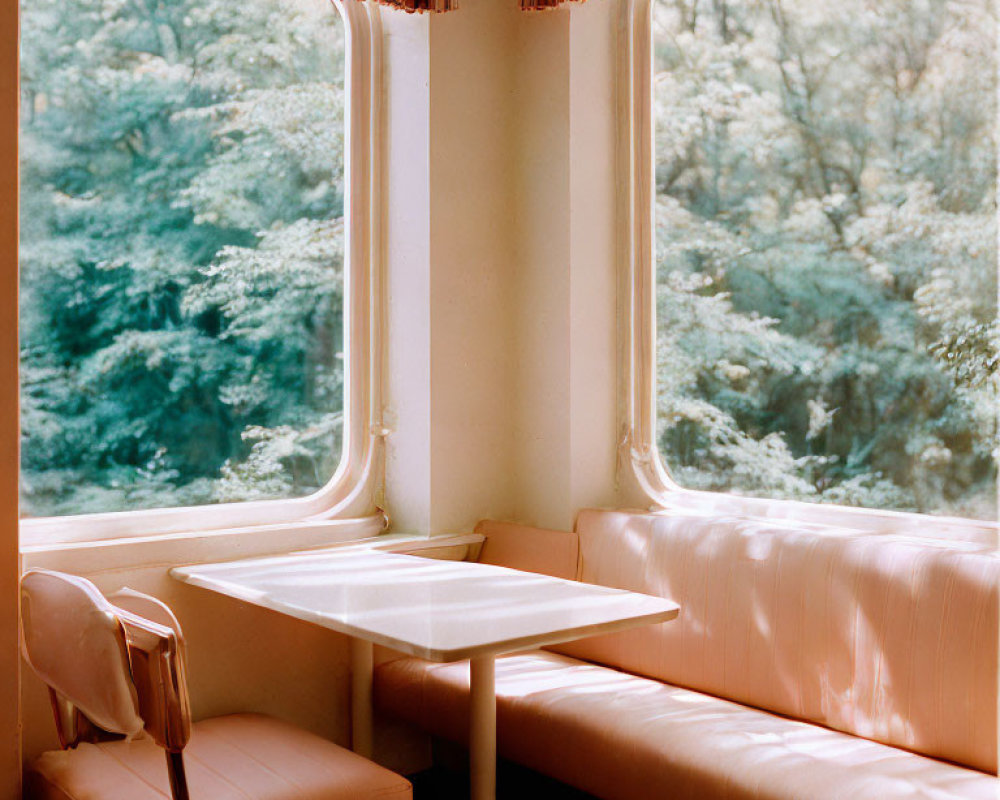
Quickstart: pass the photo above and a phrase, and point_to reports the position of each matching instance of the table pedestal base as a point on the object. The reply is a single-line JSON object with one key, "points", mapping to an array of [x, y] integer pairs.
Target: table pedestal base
{"points": [[362, 666], [483, 728]]}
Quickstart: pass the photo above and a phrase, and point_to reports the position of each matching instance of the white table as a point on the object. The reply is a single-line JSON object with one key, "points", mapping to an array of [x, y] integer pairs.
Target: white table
{"points": [[438, 610]]}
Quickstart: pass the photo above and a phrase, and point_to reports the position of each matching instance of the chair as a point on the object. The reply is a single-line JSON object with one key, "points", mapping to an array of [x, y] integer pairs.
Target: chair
{"points": [[115, 668]]}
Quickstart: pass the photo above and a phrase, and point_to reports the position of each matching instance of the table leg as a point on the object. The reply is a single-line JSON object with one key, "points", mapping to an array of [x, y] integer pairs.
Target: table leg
{"points": [[362, 664], [483, 729]]}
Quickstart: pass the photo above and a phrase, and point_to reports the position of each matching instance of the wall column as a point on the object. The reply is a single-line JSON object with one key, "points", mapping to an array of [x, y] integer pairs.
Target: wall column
{"points": [[450, 228], [566, 330], [500, 220]]}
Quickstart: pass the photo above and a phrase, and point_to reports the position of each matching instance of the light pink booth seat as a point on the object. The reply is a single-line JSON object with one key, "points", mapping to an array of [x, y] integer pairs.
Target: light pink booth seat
{"points": [[621, 737], [888, 638]]}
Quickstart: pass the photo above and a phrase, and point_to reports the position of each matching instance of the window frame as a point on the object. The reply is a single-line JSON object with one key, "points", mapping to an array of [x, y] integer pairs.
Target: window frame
{"points": [[351, 491], [639, 453]]}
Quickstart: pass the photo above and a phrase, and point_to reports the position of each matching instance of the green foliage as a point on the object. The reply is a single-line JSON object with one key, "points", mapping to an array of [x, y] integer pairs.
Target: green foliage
{"points": [[181, 251], [826, 250]]}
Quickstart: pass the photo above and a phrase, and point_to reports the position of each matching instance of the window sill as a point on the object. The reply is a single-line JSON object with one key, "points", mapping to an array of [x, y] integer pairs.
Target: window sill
{"points": [[226, 545], [197, 545]]}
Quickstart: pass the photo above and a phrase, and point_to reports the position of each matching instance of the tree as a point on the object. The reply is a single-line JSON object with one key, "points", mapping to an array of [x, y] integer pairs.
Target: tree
{"points": [[826, 250], [181, 251]]}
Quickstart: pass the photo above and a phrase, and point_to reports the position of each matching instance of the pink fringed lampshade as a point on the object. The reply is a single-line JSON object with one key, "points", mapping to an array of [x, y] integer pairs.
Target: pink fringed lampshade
{"points": [[420, 6], [541, 5], [437, 6]]}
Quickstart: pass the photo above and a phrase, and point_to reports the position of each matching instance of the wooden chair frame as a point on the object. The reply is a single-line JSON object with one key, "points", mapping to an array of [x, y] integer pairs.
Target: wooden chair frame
{"points": [[157, 671]]}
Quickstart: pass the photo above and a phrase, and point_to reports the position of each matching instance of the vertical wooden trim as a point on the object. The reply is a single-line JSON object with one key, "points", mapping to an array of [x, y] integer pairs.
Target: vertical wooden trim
{"points": [[10, 744]]}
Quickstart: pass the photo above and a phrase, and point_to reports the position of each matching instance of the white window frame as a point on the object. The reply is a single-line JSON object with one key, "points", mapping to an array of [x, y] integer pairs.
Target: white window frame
{"points": [[351, 492], [639, 452]]}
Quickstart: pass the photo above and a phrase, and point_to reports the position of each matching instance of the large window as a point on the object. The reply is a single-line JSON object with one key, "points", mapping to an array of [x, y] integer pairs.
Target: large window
{"points": [[182, 252], [826, 250]]}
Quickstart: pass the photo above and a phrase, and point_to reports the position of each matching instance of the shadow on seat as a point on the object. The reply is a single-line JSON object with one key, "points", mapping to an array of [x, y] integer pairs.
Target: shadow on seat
{"points": [[115, 668]]}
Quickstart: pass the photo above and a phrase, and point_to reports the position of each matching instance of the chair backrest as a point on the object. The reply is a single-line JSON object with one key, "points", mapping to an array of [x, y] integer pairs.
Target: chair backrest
{"points": [[121, 663], [74, 641]]}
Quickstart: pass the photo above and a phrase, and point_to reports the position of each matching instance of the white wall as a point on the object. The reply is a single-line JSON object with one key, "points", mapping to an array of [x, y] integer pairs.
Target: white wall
{"points": [[566, 330], [449, 267], [507, 410]]}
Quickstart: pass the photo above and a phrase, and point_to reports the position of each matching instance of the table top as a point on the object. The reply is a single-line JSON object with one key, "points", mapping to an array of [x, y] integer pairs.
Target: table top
{"points": [[438, 610]]}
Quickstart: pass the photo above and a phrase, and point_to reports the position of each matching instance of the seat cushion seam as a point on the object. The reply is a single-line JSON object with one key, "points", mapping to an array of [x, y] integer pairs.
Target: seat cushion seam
{"points": [[221, 735], [108, 752], [221, 776], [318, 762]]}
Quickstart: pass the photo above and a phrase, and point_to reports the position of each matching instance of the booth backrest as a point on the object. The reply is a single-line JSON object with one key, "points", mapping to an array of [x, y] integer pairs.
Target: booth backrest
{"points": [[548, 552], [886, 637]]}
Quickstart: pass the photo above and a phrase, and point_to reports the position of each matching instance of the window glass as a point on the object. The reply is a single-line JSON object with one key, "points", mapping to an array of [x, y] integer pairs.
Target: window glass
{"points": [[182, 202], [826, 250]]}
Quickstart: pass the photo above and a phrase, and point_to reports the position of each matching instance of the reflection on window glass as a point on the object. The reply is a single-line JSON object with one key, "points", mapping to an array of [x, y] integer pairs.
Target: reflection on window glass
{"points": [[181, 251], [826, 250]]}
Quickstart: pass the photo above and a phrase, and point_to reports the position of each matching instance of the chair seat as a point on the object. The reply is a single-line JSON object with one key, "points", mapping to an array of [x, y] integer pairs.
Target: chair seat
{"points": [[237, 757], [622, 737]]}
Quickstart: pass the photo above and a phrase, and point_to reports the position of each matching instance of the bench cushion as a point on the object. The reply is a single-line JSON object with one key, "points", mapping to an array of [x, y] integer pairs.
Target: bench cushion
{"points": [[883, 636], [622, 737], [236, 757]]}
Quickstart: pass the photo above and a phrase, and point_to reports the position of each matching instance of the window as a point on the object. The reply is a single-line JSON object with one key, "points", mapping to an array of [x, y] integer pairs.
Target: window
{"points": [[826, 250], [183, 252]]}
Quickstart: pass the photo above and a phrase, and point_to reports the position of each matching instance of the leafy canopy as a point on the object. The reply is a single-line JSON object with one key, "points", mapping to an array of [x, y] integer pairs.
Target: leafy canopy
{"points": [[181, 251], [826, 250]]}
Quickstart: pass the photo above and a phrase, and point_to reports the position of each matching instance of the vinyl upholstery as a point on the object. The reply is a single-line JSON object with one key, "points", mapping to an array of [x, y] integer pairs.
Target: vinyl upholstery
{"points": [[65, 613], [883, 636], [237, 757], [808, 663], [622, 737]]}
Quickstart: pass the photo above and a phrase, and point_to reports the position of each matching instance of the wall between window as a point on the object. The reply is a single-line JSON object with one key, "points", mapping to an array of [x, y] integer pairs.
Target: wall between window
{"points": [[500, 223]]}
